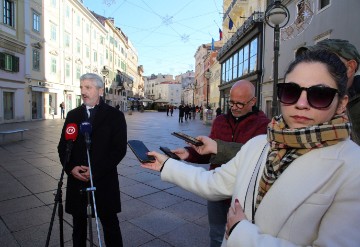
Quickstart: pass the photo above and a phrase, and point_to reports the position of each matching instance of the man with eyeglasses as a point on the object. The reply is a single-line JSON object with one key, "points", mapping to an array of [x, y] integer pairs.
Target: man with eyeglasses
{"points": [[350, 56], [242, 122]]}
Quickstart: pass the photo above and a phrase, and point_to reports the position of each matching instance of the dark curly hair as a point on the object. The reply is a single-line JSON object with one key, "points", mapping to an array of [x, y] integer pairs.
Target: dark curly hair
{"points": [[334, 65]]}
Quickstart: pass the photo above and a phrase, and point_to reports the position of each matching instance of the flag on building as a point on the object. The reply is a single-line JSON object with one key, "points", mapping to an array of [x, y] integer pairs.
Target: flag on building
{"points": [[220, 34], [212, 44], [231, 23]]}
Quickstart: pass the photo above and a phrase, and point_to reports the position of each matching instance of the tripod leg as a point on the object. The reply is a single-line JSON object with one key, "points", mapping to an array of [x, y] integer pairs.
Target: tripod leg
{"points": [[57, 199], [61, 221], [89, 213]]}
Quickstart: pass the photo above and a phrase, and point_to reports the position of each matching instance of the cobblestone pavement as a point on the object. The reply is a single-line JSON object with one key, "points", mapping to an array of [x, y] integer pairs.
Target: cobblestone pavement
{"points": [[154, 213]]}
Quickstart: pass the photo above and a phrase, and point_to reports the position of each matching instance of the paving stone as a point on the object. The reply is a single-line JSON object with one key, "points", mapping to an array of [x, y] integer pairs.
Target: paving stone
{"points": [[187, 210], [19, 204], [158, 222], [138, 190], [26, 219], [43, 183], [161, 199], [188, 235]]}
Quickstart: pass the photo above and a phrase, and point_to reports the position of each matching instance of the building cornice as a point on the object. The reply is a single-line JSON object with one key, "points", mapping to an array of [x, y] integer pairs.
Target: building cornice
{"points": [[11, 44]]}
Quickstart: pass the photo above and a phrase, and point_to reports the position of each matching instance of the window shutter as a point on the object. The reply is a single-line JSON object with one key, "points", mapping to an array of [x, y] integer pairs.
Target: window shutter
{"points": [[15, 65], [2, 60]]}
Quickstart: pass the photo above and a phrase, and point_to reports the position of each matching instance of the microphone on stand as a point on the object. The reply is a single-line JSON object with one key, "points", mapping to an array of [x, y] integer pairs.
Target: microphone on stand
{"points": [[71, 133], [85, 129]]}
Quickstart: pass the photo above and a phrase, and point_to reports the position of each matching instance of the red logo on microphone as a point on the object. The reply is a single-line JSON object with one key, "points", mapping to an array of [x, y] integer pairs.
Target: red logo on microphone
{"points": [[70, 130]]}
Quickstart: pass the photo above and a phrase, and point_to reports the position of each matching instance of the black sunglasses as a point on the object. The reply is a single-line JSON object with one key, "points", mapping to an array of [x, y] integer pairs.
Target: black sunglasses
{"points": [[318, 97]]}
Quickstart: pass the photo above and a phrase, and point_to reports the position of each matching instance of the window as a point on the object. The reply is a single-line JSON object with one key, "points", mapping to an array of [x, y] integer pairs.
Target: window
{"points": [[253, 55], [78, 20], [67, 12], [67, 70], [101, 59], [95, 56], [8, 101], [78, 72], [53, 65], [228, 69], [241, 63], [53, 32], [36, 21], [67, 40], [87, 51], [246, 60], [36, 60], [87, 28], [53, 3], [223, 69], [9, 62], [8, 13], [323, 4], [78, 46], [235, 65]]}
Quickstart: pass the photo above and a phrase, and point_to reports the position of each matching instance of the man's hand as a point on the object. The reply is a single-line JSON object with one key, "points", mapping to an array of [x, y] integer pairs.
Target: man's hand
{"points": [[157, 164], [235, 215], [81, 173], [209, 147], [181, 152]]}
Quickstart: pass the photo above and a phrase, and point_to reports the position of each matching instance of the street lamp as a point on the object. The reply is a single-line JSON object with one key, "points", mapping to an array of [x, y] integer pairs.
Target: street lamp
{"points": [[207, 76], [275, 15], [194, 88], [104, 72]]}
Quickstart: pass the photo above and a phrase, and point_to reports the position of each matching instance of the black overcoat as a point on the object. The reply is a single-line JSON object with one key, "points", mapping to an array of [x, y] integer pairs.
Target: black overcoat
{"points": [[108, 148]]}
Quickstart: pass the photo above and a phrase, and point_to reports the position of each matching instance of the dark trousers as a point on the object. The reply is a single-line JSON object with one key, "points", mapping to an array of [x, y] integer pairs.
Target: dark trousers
{"points": [[111, 228], [217, 215]]}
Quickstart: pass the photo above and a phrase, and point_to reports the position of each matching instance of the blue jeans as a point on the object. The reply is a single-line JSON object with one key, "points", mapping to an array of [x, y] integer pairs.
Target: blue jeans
{"points": [[217, 215]]}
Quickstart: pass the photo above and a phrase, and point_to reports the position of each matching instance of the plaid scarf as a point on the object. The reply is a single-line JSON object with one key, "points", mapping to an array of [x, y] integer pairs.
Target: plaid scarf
{"points": [[288, 144]]}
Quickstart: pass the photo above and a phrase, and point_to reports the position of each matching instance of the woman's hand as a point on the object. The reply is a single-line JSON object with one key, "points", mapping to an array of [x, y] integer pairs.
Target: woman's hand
{"points": [[158, 163], [235, 215], [209, 147], [181, 152]]}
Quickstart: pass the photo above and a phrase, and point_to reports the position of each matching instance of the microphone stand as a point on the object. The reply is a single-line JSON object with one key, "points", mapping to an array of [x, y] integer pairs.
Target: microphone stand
{"points": [[92, 190], [58, 200]]}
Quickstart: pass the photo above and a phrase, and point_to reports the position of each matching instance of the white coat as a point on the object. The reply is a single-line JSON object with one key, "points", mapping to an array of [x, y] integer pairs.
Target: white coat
{"points": [[315, 202]]}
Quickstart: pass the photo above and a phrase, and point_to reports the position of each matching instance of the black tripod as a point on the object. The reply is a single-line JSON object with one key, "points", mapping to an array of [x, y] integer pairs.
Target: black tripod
{"points": [[58, 200]]}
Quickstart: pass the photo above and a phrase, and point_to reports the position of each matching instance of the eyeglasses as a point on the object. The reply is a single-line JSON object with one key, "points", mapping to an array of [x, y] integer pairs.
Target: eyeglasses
{"points": [[317, 96], [239, 105]]}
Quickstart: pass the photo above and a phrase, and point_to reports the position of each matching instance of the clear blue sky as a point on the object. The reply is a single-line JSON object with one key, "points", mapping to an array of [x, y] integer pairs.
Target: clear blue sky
{"points": [[165, 33]]}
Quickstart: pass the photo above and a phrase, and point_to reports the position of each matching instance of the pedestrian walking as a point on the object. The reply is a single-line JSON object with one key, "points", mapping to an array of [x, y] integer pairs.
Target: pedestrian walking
{"points": [[181, 113], [62, 110]]}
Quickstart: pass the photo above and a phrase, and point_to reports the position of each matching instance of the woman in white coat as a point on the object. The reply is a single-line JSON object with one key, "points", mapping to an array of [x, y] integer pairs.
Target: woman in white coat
{"points": [[299, 184]]}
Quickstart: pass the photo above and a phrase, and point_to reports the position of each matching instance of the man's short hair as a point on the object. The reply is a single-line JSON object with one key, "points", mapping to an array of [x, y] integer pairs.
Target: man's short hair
{"points": [[342, 48]]}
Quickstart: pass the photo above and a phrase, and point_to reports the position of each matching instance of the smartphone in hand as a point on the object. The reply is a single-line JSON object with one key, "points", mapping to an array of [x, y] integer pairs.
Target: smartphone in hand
{"points": [[140, 150], [168, 152], [188, 138]]}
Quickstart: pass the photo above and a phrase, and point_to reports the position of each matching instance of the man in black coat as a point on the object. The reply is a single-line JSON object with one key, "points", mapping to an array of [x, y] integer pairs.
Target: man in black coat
{"points": [[107, 149]]}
